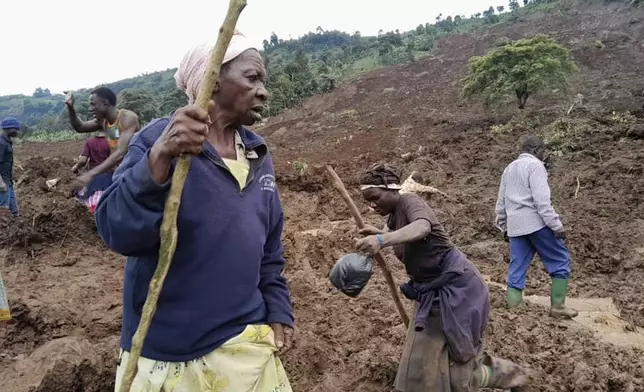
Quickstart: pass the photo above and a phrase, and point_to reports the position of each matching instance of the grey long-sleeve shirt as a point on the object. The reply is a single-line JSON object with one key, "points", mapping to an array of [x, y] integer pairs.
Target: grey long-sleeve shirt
{"points": [[524, 204]]}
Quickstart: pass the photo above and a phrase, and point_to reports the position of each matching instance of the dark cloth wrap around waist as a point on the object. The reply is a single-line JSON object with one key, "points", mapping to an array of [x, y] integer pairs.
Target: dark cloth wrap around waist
{"points": [[463, 301]]}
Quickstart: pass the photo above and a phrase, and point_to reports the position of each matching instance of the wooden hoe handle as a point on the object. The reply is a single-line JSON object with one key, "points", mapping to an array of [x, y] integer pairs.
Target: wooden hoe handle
{"points": [[339, 185]]}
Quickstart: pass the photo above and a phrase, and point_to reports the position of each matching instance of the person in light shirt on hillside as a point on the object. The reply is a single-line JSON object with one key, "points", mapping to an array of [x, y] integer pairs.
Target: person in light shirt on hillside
{"points": [[525, 214]]}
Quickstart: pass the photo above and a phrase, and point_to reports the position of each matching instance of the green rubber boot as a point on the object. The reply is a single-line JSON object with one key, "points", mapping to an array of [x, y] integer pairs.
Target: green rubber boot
{"points": [[502, 374], [558, 300], [515, 297]]}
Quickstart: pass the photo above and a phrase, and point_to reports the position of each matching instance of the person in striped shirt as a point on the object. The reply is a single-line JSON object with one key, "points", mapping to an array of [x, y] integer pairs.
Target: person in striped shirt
{"points": [[525, 214]]}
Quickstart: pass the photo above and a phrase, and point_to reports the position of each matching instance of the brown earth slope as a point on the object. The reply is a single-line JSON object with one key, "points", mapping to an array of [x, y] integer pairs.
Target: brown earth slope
{"points": [[64, 285]]}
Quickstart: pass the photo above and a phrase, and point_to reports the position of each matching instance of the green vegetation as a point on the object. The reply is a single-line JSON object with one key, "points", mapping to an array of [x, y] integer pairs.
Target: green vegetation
{"points": [[54, 136], [521, 68], [315, 63], [300, 166]]}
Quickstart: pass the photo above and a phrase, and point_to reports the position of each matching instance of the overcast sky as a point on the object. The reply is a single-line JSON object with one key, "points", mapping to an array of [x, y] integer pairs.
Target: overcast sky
{"points": [[72, 44]]}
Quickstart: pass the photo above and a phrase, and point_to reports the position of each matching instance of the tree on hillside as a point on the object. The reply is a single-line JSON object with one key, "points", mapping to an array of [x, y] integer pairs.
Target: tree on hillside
{"points": [[40, 93], [514, 5], [520, 68], [446, 25], [500, 9], [274, 39], [410, 52], [171, 100], [139, 101], [489, 16], [82, 109], [328, 78]]}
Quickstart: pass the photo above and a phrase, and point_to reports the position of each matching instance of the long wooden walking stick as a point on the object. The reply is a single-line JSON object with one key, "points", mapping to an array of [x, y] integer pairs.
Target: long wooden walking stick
{"points": [[339, 185], [169, 233]]}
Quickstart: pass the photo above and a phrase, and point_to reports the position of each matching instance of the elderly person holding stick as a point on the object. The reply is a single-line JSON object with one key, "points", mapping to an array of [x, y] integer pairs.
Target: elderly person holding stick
{"points": [[224, 311], [444, 346]]}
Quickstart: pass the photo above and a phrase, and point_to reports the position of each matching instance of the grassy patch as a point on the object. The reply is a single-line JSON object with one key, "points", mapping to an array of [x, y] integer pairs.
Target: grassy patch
{"points": [[364, 65], [53, 136]]}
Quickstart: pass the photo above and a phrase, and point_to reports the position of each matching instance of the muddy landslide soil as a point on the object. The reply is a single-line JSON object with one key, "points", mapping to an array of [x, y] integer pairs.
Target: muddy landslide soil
{"points": [[64, 285]]}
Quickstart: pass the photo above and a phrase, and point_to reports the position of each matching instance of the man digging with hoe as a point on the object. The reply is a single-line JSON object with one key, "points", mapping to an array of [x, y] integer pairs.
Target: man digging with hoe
{"points": [[119, 125]]}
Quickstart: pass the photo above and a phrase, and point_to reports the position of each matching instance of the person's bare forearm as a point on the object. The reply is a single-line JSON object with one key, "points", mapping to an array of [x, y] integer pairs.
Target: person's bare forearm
{"points": [[117, 156], [79, 125], [76, 122], [414, 231], [82, 162], [111, 162]]}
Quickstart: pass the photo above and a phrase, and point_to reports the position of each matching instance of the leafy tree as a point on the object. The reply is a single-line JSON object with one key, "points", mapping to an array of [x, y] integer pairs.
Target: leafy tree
{"points": [[425, 43], [328, 79], [446, 25], [40, 93], [521, 68], [274, 39], [514, 5], [82, 109], [171, 100], [139, 101], [500, 9], [410, 52], [489, 16]]}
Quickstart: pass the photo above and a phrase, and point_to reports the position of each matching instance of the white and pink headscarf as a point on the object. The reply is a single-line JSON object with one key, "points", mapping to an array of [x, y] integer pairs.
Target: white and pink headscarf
{"points": [[190, 72]]}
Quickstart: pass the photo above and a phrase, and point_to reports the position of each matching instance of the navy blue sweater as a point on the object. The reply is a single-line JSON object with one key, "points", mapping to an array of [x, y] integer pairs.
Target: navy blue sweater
{"points": [[227, 269]]}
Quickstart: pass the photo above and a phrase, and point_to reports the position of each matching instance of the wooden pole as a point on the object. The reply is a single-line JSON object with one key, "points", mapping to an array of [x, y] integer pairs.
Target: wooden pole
{"points": [[5, 310], [169, 233], [339, 185]]}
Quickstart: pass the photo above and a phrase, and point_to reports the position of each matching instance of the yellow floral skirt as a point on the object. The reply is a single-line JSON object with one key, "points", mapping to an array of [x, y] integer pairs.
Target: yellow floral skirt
{"points": [[246, 363]]}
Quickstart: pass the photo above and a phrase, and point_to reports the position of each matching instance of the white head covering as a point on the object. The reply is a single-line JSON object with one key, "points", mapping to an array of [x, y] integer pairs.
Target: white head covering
{"points": [[191, 70], [393, 187]]}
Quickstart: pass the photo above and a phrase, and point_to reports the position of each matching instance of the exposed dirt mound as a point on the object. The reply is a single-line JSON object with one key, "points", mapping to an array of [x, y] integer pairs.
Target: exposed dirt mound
{"points": [[562, 359], [63, 284], [48, 213]]}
